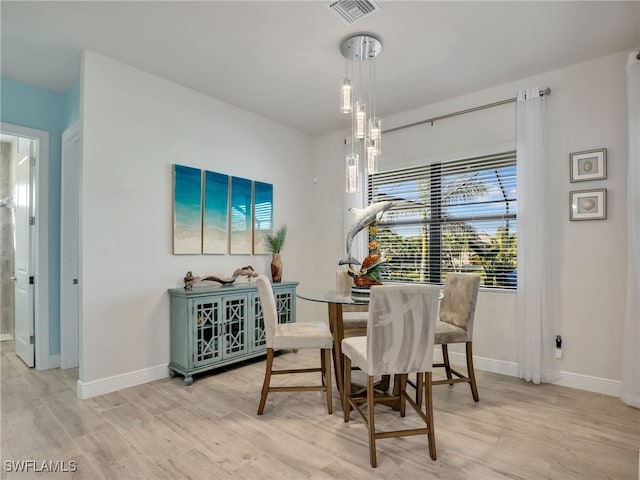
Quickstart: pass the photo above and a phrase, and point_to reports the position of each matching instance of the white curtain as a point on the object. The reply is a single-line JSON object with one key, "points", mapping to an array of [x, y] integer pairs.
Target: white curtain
{"points": [[535, 326], [630, 391]]}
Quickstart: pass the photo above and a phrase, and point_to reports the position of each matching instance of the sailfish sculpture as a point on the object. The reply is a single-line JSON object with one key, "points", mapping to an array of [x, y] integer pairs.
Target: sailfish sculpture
{"points": [[362, 218]]}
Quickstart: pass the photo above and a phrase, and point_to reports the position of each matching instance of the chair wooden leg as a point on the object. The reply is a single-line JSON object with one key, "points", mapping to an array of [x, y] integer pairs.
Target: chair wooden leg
{"points": [[419, 388], [322, 366], [471, 373], [346, 392], [402, 393], [326, 377], [429, 414], [445, 358], [267, 380], [371, 424]]}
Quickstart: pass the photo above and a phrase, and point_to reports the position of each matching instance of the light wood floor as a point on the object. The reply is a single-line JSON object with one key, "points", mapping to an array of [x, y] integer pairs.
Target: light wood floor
{"points": [[210, 430]]}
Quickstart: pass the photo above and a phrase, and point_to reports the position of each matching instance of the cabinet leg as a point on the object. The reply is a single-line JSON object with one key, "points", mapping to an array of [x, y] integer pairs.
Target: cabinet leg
{"points": [[188, 380], [172, 374]]}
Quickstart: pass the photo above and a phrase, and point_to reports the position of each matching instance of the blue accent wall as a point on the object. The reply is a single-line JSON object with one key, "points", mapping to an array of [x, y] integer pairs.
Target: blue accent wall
{"points": [[33, 107]]}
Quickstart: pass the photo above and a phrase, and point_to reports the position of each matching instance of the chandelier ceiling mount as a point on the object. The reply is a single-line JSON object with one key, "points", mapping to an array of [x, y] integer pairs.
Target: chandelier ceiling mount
{"points": [[361, 46]]}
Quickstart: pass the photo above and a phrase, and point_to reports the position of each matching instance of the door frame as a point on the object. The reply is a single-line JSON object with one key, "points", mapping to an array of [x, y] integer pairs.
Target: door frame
{"points": [[70, 330], [44, 360]]}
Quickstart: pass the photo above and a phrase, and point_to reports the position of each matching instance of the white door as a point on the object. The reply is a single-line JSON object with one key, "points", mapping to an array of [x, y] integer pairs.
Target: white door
{"points": [[70, 249], [23, 267]]}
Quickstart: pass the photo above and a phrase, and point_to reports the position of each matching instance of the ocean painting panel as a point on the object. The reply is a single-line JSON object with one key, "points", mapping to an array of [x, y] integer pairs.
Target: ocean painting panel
{"points": [[215, 219], [263, 216], [241, 216], [187, 210]]}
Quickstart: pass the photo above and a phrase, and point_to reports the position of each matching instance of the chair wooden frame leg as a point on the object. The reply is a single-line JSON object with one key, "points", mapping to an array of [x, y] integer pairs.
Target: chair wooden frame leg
{"points": [[325, 386], [267, 381], [471, 373], [346, 406], [429, 413], [349, 402], [326, 377], [371, 422], [470, 378], [445, 360]]}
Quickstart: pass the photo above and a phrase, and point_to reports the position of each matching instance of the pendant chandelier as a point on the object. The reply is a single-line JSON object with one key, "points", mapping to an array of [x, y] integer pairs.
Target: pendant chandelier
{"points": [[357, 98]]}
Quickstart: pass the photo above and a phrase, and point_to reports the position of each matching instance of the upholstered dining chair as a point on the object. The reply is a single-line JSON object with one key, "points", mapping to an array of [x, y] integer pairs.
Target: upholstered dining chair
{"points": [[293, 336], [399, 340], [457, 310]]}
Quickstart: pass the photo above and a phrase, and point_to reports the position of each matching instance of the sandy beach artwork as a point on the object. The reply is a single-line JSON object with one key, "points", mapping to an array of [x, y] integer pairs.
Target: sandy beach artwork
{"points": [[187, 210], [241, 216], [215, 217]]}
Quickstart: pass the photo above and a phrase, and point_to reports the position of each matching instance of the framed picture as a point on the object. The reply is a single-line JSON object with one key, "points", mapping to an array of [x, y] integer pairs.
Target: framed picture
{"points": [[241, 233], [588, 165], [187, 210], [215, 213], [588, 204], [262, 216]]}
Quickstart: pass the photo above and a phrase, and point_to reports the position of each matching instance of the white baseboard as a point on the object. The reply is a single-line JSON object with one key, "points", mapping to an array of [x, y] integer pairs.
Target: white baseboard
{"points": [[118, 382], [589, 383], [5, 336]]}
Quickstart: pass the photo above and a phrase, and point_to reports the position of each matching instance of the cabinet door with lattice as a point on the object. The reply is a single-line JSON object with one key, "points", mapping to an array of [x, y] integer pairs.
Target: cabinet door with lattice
{"points": [[285, 305], [235, 323], [207, 332]]}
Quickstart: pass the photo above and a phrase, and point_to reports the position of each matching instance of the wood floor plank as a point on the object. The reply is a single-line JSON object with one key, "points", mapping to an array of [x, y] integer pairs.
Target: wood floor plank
{"points": [[151, 436], [115, 457], [75, 416]]}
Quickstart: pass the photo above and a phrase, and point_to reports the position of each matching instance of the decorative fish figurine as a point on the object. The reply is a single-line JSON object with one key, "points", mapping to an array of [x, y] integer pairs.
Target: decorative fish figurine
{"points": [[362, 218]]}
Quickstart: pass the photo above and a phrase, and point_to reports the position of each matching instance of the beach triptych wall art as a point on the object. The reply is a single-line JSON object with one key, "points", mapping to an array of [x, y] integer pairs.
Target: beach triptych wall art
{"points": [[262, 216], [187, 210], [241, 215], [214, 213]]}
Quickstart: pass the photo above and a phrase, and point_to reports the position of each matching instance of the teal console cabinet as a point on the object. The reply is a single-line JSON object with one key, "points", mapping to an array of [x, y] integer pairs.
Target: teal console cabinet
{"points": [[216, 326]]}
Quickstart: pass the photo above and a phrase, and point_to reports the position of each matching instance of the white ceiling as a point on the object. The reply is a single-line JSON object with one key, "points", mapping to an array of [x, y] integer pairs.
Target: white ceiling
{"points": [[281, 60]]}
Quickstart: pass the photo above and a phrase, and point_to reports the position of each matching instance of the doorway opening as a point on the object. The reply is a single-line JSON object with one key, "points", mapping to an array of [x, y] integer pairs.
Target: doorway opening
{"points": [[24, 262]]}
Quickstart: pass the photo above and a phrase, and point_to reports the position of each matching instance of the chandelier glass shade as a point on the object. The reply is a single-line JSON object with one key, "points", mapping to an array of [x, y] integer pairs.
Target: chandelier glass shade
{"points": [[355, 92]]}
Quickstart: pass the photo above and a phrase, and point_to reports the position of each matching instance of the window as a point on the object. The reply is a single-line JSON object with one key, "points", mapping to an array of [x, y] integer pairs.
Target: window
{"points": [[457, 216]]}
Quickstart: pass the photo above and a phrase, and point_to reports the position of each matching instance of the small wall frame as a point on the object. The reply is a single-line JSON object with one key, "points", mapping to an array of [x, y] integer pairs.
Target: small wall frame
{"points": [[588, 165], [588, 204]]}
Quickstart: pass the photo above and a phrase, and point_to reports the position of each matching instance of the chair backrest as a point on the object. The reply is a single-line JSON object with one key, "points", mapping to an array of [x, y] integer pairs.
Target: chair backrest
{"points": [[401, 328], [459, 303], [269, 311]]}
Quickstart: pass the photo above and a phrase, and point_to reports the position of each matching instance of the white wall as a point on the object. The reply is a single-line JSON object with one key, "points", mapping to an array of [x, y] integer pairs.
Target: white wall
{"points": [[136, 126], [585, 110]]}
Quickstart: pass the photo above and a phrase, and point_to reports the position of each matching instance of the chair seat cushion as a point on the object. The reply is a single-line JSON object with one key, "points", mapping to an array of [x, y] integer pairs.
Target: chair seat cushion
{"points": [[447, 333], [356, 349], [355, 319], [302, 335]]}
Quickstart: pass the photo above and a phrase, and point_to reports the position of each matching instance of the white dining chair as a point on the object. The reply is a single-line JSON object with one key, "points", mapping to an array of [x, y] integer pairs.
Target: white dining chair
{"points": [[293, 336], [457, 311], [399, 340]]}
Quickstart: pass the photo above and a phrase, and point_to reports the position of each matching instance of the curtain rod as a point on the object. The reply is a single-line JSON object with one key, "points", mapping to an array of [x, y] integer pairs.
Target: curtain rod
{"points": [[546, 91]]}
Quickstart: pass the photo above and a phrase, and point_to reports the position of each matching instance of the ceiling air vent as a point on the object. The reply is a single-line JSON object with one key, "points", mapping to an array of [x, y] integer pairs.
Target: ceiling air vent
{"points": [[350, 11]]}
